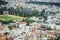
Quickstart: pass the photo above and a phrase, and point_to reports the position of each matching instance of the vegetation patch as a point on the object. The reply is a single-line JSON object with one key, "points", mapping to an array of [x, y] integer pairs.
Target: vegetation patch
{"points": [[8, 19]]}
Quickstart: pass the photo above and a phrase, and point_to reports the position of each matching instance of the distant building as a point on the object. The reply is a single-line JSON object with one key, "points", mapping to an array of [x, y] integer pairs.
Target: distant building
{"points": [[5, 37], [34, 18], [57, 27], [5, 13], [20, 24], [50, 34], [0, 23], [41, 20], [35, 25]]}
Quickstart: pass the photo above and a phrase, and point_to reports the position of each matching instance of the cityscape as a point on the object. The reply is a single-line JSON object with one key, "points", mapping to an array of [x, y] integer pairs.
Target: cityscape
{"points": [[29, 19]]}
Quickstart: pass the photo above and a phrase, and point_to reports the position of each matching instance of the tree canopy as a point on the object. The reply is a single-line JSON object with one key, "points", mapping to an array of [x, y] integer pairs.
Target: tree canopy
{"points": [[3, 2]]}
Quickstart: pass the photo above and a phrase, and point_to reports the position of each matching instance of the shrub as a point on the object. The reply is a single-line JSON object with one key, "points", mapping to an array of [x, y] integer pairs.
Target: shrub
{"points": [[11, 26]]}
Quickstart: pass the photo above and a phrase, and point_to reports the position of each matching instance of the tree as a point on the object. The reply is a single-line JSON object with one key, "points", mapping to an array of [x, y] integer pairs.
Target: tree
{"points": [[2, 8], [11, 26], [6, 33], [11, 10], [42, 14], [17, 10], [28, 21], [35, 13], [3, 2], [58, 38], [49, 28]]}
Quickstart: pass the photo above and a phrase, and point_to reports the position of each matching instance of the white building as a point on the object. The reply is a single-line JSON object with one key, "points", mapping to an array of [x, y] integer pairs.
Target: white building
{"points": [[57, 27], [21, 24], [28, 28], [34, 18], [35, 25]]}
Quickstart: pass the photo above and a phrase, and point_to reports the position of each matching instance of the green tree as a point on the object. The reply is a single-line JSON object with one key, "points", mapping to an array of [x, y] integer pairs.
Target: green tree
{"points": [[28, 21], [3, 2], [35, 13], [58, 38], [49, 28], [11, 10], [2, 8], [11, 26]]}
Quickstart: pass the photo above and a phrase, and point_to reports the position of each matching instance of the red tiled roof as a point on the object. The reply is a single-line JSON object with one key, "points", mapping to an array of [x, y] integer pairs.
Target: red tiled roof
{"points": [[50, 33], [41, 28], [1, 27], [35, 32]]}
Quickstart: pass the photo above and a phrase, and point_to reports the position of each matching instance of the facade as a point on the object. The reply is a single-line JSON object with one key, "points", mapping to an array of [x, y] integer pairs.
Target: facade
{"points": [[21, 24], [5, 13]]}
